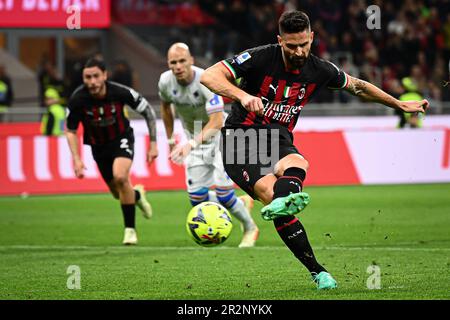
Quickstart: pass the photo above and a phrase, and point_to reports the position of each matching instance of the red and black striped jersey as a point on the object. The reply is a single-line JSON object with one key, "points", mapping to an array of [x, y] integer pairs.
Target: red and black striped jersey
{"points": [[103, 120], [284, 93]]}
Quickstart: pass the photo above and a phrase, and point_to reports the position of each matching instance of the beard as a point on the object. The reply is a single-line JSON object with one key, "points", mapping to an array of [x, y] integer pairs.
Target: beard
{"points": [[297, 62], [96, 91]]}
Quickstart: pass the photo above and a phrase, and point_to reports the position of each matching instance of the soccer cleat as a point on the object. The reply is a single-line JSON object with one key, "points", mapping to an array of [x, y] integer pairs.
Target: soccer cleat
{"points": [[130, 237], [248, 202], [284, 206], [324, 280], [249, 238], [142, 203]]}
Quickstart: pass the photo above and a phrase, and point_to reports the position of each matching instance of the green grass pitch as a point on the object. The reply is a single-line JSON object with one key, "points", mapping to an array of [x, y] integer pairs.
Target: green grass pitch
{"points": [[403, 229]]}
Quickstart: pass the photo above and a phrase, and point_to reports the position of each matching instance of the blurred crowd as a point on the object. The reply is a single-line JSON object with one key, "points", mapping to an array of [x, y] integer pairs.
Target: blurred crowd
{"points": [[408, 54], [413, 41]]}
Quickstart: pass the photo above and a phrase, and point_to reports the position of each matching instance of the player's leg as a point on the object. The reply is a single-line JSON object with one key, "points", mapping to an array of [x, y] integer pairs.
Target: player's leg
{"points": [[238, 206], [104, 160], [141, 201], [105, 157], [291, 171], [198, 180], [127, 197]]}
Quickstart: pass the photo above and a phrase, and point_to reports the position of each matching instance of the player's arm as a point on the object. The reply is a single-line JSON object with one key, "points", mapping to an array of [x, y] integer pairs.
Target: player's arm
{"points": [[211, 128], [168, 120], [369, 92], [218, 79], [215, 122], [78, 164], [139, 104], [148, 113], [72, 122]]}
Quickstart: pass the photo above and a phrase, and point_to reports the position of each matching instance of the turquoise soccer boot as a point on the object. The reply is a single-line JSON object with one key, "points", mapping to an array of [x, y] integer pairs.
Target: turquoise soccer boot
{"points": [[284, 206], [324, 280]]}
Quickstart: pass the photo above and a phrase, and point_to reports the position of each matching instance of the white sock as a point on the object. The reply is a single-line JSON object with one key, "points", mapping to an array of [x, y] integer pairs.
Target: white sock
{"points": [[213, 197], [241, 213], [238, 210]]}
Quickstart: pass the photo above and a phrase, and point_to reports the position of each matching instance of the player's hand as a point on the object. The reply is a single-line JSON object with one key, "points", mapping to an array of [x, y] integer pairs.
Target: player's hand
{"points": [[253, 104], [79, 167], [414, 106], [152, 154], [180, 152]]}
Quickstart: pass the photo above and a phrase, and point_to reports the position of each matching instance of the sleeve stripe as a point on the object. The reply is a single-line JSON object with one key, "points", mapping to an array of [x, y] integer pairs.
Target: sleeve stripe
{"points": [[142, 105], [343, 86], [230, 68], [346, 81]]}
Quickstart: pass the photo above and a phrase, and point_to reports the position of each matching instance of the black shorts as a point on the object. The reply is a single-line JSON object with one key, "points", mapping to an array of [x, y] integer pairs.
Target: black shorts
{"points": [[105, 154], [250, 153]]}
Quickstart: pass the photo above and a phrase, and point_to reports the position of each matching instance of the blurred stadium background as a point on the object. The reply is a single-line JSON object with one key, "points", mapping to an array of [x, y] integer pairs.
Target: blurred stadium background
{"points": [[347, 141], [38, 51]]}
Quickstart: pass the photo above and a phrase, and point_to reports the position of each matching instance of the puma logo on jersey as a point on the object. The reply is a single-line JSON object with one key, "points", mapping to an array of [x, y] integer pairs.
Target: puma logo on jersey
{"points": [[273, 88]]}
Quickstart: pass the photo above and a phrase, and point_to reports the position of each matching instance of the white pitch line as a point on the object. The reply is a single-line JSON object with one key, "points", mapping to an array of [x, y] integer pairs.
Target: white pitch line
{"points": [[173, 248]]}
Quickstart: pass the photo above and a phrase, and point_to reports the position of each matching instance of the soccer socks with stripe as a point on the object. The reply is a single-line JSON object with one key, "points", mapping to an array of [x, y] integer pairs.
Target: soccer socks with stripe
{"points": [[294, 236], [289, 228], [290, 182], [129, 214], [236, 206], [198, 196]]}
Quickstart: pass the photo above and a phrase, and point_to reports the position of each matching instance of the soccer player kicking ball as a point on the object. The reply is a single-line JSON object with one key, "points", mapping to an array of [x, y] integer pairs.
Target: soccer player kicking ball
{"points": [[202, 115], [99, 105], [278, 80]]}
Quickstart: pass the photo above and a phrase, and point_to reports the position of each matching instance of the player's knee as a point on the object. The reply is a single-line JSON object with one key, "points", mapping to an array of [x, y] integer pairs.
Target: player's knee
{"points": [[226, 197], [295, 161], [305, 165], [121, 180], [198, 196]]}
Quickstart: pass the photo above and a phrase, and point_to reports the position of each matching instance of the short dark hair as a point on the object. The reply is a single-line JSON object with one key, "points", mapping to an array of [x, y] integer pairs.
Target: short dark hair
{"points": [[293, 22], [95, 62]]}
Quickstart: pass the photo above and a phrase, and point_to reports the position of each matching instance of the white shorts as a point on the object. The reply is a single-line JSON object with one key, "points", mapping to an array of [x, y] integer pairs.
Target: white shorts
{"points": [[204, 168]]}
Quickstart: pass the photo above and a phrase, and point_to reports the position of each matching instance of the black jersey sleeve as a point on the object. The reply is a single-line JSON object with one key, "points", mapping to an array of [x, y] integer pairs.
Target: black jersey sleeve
{"points": [[74, 114], [245, 62], [337, 78], [131, 97]]}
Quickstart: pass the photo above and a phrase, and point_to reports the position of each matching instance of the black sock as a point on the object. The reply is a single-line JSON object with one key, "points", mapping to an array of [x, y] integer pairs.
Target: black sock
{"points": [[129, 213], [289, 228], [294, 236], [137, 195], [290, 182]]}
